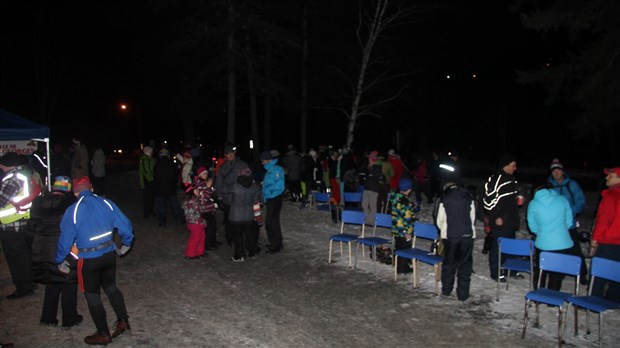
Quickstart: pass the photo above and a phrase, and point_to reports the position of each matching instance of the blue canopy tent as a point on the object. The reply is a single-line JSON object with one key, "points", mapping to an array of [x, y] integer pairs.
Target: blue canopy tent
{"points": [[13, 127]]}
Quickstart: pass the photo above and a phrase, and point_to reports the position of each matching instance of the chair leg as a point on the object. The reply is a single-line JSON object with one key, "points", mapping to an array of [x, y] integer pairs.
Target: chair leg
{"points": [[600, 329], [587, 322], [341, 251], [350, 256], [373, 258], [537, 322], [357, 251], [329, 260], [415, 273], [437, 275], [560, 317], [576, 330], [395, 269], [497, 290], [525, 318]]}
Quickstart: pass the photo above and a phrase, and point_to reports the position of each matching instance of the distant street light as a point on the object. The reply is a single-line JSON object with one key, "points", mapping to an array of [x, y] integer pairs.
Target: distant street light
{"points": [[123, 106]]}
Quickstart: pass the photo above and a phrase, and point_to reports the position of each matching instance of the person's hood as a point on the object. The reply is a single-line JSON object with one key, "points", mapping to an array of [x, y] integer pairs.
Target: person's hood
{"points": [[245, 180], [545, 196], [271, 164]]}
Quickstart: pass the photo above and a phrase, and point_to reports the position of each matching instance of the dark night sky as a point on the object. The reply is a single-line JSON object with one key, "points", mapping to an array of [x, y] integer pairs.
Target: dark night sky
{"points": [[109, 52]]}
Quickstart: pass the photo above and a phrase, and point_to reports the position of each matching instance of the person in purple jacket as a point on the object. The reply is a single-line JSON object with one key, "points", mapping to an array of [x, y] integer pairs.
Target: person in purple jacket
{"points": [[89, 224]]}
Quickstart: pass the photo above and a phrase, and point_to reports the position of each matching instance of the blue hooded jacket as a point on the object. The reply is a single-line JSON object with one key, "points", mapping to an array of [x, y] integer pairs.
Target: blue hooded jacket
{"points": [[273, 183], [549, 217], [570, 190]]}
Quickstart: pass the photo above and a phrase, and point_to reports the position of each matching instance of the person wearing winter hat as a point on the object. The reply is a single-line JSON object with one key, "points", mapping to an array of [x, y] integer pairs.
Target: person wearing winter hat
{"points": [[500, 203], [45, 216], [568, 188], [79, 159], [246, 194], [224, 183], [273, 188], [606, 235], [402, 221], [146, 177], [17, 192], [456, 215], [89, 224]]}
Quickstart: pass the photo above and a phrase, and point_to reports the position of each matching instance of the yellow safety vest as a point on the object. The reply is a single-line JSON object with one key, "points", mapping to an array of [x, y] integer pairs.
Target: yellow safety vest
{"points": [[8, 213]]}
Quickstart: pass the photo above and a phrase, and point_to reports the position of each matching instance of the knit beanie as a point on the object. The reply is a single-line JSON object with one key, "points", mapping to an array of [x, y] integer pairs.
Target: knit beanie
{"points": [[556, 164], [62, 183], [266, 156], [201, 169], [81, 184], [505, 159], [405, 184]]}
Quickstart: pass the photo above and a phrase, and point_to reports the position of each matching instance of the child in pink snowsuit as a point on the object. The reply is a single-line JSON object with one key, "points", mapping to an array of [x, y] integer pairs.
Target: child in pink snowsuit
{"points": [[197, 203]]}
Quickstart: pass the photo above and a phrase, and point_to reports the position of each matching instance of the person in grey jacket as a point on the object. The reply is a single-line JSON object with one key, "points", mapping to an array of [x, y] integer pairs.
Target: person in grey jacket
{"points": [[224, 183], [245, 193]]}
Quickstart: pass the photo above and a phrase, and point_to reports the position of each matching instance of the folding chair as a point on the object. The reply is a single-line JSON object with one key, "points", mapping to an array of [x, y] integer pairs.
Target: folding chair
{"points": [[605, 269], [349, 217], [416, 255], [383, 221], [352, 201], [385, 207], [320, 201], [515, 247], [553, 262]]}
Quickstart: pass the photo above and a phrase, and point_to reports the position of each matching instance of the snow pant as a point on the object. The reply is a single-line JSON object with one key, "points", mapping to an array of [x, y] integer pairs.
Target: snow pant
{"points": [[612, 252], [549, 280], [227, 231], [211, 231], [401, 243], [493, 251], [577, 251], [272, 222], [369, 206], [95, 274], [66, 293], [165, 202], [294, 186], [244, 238], [458, 261], [196, 241], [382, 201], [16, 244], [148, 198]]}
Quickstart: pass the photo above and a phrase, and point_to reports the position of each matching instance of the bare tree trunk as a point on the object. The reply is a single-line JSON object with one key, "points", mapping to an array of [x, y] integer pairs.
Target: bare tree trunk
{"points": [[232, 88], [375, 28], [267, 106], [304, 80], [252, 91]]}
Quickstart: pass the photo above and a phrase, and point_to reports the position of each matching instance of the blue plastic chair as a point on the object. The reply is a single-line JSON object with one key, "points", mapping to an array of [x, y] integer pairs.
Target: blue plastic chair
{"points": [[515, 247], [349, 217], [604, 269], [383, 221], [321, 200], [553, 262], [352, 201], [427, 232]]}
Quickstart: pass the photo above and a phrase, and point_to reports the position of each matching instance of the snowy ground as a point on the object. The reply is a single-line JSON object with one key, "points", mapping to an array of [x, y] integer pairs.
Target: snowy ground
{"points": [[291, 299]]}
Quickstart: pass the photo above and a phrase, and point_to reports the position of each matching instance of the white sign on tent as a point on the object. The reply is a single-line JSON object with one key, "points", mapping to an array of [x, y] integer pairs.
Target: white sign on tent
{"points": [[21, 147]]}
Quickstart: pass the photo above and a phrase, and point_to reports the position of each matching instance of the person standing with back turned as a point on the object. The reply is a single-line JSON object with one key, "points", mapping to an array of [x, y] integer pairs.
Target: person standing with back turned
{"points": [[90, 224], [273, 187]]}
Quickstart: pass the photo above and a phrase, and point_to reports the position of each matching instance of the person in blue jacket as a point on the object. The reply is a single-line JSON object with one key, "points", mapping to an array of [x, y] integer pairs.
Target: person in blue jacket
{"points": [[549, 217], [570, 189], [89, 223], [273, 187]]}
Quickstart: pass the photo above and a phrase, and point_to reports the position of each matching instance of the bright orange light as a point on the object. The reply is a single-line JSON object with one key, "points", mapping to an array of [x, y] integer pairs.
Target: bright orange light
{"points": [[123, 107]]}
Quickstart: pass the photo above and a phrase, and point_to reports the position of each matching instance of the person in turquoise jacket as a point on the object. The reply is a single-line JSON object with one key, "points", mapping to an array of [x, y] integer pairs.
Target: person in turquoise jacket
{"points": [[549, 217], [570, 189], [273, 187]]}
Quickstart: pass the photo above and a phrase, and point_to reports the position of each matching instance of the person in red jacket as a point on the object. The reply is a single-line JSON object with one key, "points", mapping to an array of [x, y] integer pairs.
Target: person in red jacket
{"points": [[606, 235], [397, 165]]}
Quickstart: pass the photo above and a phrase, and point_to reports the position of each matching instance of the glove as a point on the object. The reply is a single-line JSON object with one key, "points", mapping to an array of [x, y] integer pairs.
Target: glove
{"points": [[64, 267], [123, 250]]}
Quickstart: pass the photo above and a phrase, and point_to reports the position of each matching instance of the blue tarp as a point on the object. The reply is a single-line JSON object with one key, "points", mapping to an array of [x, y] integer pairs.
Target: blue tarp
{"points": [[13, 127]]}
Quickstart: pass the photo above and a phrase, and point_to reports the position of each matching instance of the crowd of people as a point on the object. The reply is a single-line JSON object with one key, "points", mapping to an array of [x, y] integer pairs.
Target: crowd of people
{"points": [[64, 239]]}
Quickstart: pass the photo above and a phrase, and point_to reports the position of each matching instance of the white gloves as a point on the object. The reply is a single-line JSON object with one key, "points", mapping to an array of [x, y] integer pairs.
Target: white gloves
{"points": [[64, 267], [123, 250]]}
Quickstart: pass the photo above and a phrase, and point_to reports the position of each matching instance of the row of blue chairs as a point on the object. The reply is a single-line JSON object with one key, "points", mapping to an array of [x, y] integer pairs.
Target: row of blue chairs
{"points": [[416, 254]]}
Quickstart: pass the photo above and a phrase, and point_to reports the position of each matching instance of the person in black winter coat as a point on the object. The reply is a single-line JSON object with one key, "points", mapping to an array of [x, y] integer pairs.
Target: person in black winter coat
{"points": [[501, 208], [45, 216], [455, 218], [165, 175]]}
